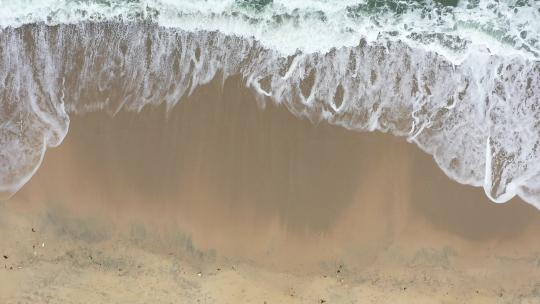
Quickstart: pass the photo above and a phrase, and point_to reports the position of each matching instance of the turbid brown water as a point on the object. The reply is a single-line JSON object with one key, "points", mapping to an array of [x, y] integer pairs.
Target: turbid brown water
{"points": [[265, 205]]}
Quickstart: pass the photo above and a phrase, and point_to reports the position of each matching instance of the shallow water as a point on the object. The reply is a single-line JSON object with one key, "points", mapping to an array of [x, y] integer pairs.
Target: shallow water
{"points": [[478, 119]]}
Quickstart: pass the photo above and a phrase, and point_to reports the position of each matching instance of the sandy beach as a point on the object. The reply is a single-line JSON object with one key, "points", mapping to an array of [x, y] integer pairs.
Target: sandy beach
{"points": [[221, 201]]}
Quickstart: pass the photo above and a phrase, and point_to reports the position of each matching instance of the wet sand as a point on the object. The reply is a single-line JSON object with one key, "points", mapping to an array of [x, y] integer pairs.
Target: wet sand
{"points": [[220, 201]]}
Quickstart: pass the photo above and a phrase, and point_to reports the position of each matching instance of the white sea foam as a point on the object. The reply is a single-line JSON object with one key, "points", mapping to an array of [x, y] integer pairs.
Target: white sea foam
{"points": [[505, 27], [462, 87]]}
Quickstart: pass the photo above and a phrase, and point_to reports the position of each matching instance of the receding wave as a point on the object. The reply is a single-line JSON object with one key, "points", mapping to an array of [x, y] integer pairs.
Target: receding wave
{"points": [[479, 116]]}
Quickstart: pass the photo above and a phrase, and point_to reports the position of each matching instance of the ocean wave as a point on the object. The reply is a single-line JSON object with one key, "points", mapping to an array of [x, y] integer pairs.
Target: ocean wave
{"points": [[450, 27]]}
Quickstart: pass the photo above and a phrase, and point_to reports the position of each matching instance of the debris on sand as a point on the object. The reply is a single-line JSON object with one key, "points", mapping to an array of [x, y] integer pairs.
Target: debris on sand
{"points": [[339, 270]]}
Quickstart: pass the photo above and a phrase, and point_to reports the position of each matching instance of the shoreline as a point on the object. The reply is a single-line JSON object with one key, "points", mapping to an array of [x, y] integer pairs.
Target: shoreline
{"points": [[315, 211]]}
